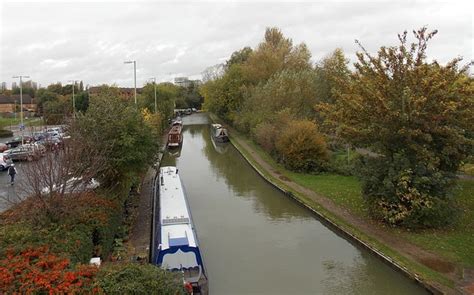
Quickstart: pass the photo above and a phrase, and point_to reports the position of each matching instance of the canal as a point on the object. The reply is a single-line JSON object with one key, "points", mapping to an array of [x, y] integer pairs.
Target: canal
{"points": [[256, 240]]}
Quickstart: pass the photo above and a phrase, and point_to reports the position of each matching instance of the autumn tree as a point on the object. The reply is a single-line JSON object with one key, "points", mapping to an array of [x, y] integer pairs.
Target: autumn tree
{"points": [[417, 116]]}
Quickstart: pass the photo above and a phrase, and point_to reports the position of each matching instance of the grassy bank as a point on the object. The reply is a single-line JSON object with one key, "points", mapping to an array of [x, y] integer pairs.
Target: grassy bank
{"points": [[454, 244], [14, 122]]}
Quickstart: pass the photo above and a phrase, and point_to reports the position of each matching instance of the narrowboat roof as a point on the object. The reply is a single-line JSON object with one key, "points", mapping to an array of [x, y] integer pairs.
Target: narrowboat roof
{"points": [[216, 126], [176, 129], [175, 220]]}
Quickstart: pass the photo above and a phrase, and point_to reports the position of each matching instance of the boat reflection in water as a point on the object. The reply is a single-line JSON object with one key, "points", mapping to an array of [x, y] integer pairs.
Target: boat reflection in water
{"points": [[220, 147]]}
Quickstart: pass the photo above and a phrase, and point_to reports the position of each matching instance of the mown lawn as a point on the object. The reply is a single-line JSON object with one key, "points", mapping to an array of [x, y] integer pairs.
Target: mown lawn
{"points": [[456, 242], [343, 190], [7, 122], [468, 169]]}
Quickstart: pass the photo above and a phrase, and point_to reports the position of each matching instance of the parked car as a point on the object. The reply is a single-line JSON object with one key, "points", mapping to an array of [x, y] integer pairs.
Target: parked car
{"points": [[17, 141], [3, 147], [5, 161], [26, 152], [76, 184]]}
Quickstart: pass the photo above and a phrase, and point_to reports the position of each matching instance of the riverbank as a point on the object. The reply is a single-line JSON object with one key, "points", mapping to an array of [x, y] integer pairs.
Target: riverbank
{"points": [[334, 202]]}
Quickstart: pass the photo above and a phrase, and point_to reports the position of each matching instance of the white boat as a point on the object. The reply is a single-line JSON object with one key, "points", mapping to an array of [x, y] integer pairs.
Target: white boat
{"points": [[178, 248]]}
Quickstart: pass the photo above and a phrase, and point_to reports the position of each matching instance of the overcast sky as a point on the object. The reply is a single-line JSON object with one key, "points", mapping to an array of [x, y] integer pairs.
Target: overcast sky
{"points": [[56, 41]]}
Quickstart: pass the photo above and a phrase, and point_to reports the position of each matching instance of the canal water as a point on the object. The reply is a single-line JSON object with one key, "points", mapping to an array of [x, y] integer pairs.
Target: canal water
{"points": [[256, 240]]}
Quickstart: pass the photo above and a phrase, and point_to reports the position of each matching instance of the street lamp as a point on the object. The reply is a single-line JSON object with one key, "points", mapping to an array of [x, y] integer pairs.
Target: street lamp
{"points": [[22, 127], [73, 99], [134, 75], [154, 84]]}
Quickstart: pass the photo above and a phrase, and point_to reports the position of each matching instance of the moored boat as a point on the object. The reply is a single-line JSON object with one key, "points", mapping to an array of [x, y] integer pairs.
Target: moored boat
{"points": [[219, 133], [175, 136], [178, 248]]}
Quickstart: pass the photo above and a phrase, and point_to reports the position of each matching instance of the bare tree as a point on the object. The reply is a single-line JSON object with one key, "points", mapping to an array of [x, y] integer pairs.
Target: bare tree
{"points": [[68, 169], [213, 72]]}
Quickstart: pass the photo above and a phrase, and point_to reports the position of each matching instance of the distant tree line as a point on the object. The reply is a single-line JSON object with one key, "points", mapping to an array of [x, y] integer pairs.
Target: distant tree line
{"points": [[412, 116]]}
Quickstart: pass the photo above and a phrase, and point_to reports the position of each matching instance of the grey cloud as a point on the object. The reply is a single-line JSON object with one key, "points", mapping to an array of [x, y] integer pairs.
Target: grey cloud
{"points": [[90, 41]]}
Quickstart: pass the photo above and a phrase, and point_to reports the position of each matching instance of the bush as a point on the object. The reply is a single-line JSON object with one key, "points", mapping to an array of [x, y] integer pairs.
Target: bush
{"points": [[401, 192], [40, 271], [342, 163], [139, 279], [302, 148], [265, 134], [5, 133]]}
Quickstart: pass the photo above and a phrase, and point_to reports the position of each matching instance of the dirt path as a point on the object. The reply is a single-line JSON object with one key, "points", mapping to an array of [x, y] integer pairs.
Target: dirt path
{"points": [[139, 242], [369, 227]]}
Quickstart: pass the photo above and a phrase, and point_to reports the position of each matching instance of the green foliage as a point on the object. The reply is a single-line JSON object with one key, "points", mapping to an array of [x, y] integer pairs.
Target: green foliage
{"points": [[239, 57], [118, 127], [44, 96], [55, 111], [275, 54], [343, 162], [191, 97], [82, 101], [302, 148], [139, 279], [75, 243], [418, 116], [290, 91], [225, 96], [5, 133], [401, 194], [166, 94]]}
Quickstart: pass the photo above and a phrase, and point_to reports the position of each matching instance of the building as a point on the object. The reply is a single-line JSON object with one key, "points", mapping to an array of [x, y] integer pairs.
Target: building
{"points": [[3, 86], [8, 103]]}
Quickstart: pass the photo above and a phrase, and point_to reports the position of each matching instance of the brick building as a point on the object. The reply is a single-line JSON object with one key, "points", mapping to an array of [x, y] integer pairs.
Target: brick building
{"points": [[8, 103]]}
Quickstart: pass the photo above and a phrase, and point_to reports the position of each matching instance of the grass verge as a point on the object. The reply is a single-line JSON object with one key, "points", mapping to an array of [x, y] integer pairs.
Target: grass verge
{"points": [[10, 122]]}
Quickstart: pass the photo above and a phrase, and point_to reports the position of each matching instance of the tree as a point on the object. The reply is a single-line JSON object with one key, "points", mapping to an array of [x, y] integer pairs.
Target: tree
{"points": [[239, 57], [44, 96], [82, 101], [417, 116], [213, 72], [224, 96], [118, 127], [275, 54], [331, 72], [294, 91]]}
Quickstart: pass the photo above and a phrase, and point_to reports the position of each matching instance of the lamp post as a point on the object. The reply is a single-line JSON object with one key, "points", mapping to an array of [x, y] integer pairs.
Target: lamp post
{"points": [[73, 98], [134, 76], [22, 127], [154, 84]]}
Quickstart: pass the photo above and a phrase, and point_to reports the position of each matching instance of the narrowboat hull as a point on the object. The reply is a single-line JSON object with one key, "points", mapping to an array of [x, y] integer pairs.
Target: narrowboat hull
{"points": [[219, 133], [176, 246]]}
